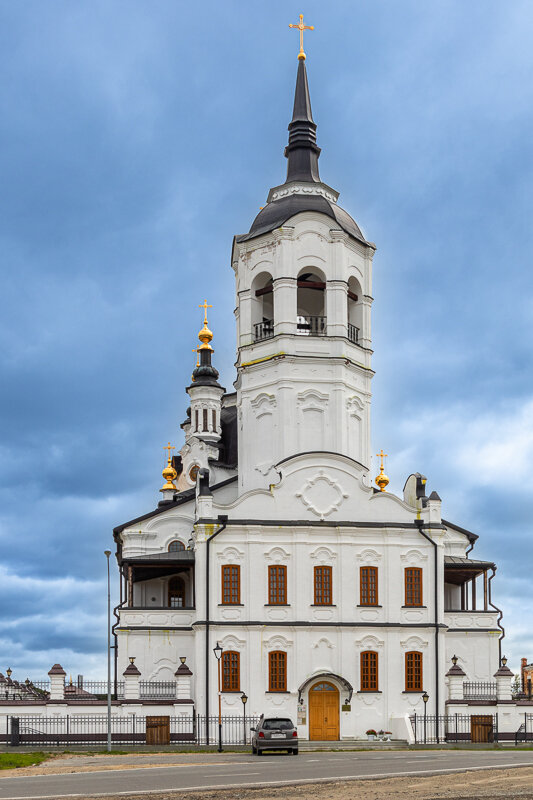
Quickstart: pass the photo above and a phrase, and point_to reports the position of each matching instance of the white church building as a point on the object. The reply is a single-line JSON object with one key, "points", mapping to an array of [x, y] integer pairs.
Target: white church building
{"points": [[334, 601]]}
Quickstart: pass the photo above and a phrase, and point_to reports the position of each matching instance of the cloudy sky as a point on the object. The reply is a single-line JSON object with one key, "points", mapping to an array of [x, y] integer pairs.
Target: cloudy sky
{"points": [[136, 138]]}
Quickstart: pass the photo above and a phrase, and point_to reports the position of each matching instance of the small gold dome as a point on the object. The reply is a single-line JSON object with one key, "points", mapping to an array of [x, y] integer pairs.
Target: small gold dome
{"points": [[169, 473], [301, 56], [205, 336], [382, 481]]}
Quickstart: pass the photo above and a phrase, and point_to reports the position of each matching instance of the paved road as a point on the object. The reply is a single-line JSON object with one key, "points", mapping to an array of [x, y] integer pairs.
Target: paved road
{"points": [[207, 771]]}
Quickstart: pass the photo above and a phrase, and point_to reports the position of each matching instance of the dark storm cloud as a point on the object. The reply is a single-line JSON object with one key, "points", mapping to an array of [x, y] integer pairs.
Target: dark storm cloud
{"points": [[135, 141]]}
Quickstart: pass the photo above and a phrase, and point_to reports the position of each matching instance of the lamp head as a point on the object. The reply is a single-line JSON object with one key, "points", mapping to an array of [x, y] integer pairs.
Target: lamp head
{"points": [[9, 672], [107, 553], [183, 659], [244, 698], [504, 661], [454, 660], [425, 697], [217, 651], [132, 659]]}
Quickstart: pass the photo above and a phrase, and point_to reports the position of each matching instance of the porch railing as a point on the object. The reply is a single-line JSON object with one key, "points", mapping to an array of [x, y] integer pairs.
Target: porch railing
{"points": [[263, 330], [311, 326], [353, 333]]}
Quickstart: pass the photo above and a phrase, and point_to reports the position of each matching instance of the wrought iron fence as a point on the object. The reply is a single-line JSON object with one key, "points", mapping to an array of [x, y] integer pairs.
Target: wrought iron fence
{"points": [[480, 690], [432, 729], [91, 729], [525, 731]]}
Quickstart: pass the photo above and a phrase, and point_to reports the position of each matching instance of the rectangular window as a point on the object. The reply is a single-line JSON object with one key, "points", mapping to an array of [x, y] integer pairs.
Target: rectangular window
{"points": [[196, 420], [369, 671], [231, 584], [277, 671], [277, 585], [214, 419], [413, 672], [369, 586], [205, 419], [413, 586], [323, 583], [231, 677]]}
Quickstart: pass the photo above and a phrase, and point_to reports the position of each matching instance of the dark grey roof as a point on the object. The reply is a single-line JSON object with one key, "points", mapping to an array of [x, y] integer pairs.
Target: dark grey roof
{"points": [[179, 499], [462, 561], [472, 537], [302, 153], [174, 557], [276, 213], [434, 496]]}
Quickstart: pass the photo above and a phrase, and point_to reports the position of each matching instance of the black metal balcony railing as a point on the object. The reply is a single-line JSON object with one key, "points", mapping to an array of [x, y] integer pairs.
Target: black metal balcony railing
{"points": [[264, 330], [479, 690], [353, 333], [311, 326]]}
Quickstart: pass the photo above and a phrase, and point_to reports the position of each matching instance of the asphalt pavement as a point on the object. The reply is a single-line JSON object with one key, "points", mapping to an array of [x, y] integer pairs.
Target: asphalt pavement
{"points": [[204, 771]]}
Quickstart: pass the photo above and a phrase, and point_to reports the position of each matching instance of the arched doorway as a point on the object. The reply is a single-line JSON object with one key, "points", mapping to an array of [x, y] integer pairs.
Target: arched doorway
{"points": [[324, 711]]}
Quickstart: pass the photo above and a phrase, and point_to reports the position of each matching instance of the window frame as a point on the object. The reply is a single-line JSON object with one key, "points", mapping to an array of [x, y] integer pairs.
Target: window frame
{"points": [[229, 586], [369, 671], [322, 588], [410, 589], [365, 586], [277, 661], [414, 672], [176, 592], [171, 549], [277, 590], [230, 668]]}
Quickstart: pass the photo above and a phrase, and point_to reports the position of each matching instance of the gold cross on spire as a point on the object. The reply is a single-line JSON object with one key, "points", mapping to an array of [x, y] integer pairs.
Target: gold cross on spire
{"points": [[205, 306], [382, 455], [169, 448], [301, 27]]}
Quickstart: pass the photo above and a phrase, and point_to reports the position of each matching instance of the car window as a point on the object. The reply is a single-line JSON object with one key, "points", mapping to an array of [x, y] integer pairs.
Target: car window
{"points": [[277, 724]]}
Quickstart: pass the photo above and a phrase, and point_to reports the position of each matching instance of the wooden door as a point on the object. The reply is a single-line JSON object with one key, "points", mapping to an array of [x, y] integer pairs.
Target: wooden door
{"points": [[157, 730], [323, 712], [481, 728]]}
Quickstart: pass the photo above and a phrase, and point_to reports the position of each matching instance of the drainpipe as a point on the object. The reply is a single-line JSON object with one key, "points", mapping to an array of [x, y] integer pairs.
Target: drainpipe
{"points": [[500, 617], [223, 521], [420, 524]]}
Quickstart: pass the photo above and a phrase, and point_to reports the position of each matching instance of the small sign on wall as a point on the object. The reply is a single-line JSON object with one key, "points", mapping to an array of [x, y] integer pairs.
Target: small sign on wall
{"points": [[302, 714], [346, 707]]}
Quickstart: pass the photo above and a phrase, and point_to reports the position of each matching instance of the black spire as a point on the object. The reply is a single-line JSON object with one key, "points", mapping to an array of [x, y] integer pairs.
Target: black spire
{"points": [[302, 151]]}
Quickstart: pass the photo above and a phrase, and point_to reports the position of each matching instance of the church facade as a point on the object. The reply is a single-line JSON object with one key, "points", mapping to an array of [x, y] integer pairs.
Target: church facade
{"points": [[333, 601]]}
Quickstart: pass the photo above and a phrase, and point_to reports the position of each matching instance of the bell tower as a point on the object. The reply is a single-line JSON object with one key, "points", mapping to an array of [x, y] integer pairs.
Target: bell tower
{"points": [[304, 293]]}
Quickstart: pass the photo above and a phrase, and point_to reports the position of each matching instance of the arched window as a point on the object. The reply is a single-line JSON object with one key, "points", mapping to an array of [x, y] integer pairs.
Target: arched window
{"points": [[413, 671], [231, 671], [175, 546], [277, 671], [263, 307], [311, 314], [369, 671], [176, 593]]}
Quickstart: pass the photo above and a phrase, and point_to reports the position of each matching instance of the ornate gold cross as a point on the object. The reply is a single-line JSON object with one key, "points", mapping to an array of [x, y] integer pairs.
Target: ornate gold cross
{"points": [[205, 306], [301, 27], [169, 448], [382, 455]]}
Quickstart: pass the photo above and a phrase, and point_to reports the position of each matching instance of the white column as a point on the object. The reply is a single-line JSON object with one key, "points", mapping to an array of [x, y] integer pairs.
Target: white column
{"points": [[336, 308], [183, 682], [285, 297], [57, 682]]}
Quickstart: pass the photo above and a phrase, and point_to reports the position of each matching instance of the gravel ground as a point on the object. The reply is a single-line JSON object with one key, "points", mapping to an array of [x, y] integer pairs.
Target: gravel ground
{"points": [[504, 784]]}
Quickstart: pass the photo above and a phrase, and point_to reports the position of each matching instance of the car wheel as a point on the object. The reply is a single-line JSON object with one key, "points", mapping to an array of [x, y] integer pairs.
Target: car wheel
{"points": [[295, 752]]}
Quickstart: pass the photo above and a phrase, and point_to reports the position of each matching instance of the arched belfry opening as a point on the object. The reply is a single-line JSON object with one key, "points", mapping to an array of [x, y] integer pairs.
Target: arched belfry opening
{"points": [[355, 310], [311, 303], [262, 307]]}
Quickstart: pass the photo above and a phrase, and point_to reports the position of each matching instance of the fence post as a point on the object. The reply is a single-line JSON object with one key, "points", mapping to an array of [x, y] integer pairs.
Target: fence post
{"points": [[496, 728], [15, 732]]}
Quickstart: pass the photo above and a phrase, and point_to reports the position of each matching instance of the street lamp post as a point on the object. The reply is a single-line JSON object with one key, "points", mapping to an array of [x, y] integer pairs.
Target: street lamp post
{"points": [[107, 554], [425, 698], [244, 699], [218, 654]]}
